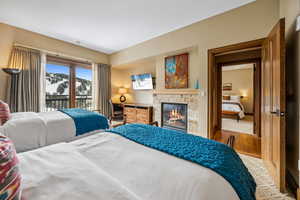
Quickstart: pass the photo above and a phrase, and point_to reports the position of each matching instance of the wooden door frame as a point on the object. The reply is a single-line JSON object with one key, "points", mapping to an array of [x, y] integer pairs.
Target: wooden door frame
{"points": [[214, 114]]}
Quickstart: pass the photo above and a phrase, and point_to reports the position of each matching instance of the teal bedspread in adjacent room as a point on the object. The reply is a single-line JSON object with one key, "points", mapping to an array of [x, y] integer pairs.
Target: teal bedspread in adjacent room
{"points": [[207, 153], [86, 121]]}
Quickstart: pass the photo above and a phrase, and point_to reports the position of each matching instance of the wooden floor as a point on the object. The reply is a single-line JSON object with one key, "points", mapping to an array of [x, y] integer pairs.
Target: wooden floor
{"points": [[244, 143]]}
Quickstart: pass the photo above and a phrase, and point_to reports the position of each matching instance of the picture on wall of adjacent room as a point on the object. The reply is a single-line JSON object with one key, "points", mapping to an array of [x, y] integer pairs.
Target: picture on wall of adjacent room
{"points": [[227, 86], [176, 71]]}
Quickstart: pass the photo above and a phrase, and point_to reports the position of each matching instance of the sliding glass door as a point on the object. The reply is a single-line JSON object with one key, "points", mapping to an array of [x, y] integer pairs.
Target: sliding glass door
{"points": [[68, 84], [57, 86], [83, 88]]}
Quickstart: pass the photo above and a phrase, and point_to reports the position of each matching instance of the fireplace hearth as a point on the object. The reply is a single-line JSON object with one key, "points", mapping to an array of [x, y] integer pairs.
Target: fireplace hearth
{"points": [[174, 116]]}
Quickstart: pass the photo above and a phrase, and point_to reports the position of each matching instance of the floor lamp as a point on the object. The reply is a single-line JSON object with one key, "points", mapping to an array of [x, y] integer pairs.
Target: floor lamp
{"points": [[13, 87]]}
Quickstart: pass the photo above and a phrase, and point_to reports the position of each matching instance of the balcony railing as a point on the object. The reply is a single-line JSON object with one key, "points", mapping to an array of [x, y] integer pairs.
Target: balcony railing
{"points": [[55, 102]]}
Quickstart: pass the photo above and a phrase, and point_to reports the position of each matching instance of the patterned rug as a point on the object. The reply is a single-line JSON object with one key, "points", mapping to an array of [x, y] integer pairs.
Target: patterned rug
{"points": [[266, 190]]}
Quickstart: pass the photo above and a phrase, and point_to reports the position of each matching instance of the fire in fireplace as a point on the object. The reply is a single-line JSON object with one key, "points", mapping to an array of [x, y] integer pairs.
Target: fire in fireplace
{"points": [[174, 116]]}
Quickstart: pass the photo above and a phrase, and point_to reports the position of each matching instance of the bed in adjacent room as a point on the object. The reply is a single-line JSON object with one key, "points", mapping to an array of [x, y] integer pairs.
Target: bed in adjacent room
{"points": [[30, 130], [136, 162], [232, 106]]}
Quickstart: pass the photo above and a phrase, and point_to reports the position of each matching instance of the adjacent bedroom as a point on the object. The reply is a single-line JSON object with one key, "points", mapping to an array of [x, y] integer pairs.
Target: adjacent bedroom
{"points": [[149, 100], [238, 98]]}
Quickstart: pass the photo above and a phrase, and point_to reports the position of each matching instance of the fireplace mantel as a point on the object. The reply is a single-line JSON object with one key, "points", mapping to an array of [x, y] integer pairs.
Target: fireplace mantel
{"points": [[177, 91]]}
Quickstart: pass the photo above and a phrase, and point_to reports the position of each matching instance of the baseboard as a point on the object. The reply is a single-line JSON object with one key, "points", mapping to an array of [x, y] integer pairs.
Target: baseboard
{"points": [[292, 184]]}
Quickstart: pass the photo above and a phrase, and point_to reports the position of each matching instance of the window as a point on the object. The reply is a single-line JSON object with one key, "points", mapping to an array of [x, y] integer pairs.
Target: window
{"points": [[83, 88], [68, 84]]}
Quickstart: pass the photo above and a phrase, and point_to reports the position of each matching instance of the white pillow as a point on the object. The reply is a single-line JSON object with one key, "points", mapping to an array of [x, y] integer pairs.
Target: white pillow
{"points": [[235, 98]]}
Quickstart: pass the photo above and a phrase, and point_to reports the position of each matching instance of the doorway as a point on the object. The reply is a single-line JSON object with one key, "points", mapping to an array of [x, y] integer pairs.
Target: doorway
{"points": [[268, 54], [236, 88], [240, 120], [237, 112]]}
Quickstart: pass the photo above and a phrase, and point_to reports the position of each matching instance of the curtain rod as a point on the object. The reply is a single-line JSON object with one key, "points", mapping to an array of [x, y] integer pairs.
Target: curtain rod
{"points": [[54, 53]]}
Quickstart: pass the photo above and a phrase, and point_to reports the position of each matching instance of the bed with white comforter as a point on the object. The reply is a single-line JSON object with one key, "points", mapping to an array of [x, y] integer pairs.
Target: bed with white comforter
{"points": [[30, 130], [110, 167], [234, 106]]}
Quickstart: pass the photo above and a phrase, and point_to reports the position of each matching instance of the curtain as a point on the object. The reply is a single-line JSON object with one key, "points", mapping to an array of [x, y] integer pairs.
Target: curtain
{"points": [[42, 103], [102, 85], [24, 92], [95, 104]]}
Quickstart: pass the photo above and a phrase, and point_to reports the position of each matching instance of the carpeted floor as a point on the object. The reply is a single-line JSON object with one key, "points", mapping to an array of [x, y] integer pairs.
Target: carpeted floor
{"points": [[243, 126], [266, 190]]}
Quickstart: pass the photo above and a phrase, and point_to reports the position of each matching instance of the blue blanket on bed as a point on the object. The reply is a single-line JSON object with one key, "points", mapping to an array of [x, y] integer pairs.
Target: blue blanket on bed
{"points": [[208, 153], [86, 121]]}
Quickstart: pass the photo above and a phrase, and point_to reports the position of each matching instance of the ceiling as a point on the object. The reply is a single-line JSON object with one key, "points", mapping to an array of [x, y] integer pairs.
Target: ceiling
{"points": [[109, 25]]}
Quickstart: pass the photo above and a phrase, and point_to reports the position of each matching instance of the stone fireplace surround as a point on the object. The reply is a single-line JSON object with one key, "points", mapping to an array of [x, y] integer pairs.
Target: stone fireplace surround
{"points": [[190, 98]]}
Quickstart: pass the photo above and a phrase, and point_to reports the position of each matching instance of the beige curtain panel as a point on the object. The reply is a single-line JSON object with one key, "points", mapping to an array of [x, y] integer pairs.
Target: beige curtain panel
{"points": [[25, 88], [103, 88]]}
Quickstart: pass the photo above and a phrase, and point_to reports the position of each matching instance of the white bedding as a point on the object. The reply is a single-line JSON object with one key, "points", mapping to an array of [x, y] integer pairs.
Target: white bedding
{"points": [[234, 106], [136, 170], [29, 130], [60, 172]]}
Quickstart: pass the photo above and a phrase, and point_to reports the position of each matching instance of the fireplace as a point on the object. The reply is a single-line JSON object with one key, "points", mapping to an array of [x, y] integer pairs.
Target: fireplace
{"points": [[174, 116]]}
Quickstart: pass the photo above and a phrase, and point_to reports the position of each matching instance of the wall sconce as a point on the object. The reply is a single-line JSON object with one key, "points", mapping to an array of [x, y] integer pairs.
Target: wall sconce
{"points": [[122, 91]]}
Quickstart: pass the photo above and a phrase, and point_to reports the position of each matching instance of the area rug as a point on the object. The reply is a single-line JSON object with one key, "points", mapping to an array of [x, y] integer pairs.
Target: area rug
{"points": [[243, 126], [266, 189]]}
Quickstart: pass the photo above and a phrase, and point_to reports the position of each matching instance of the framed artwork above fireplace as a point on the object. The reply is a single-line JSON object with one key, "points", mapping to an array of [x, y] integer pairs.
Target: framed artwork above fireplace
{"points": [[176, 71]]}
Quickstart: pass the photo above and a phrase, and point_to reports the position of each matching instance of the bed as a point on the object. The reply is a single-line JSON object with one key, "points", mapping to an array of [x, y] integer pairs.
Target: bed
{"points": [[232, 106], [30, 130], [121, 165]]}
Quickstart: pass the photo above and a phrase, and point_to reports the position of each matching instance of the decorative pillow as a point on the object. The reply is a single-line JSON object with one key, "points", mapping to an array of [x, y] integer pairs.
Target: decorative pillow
{"points": [[10, 178], [4, 112], [235, 98]]}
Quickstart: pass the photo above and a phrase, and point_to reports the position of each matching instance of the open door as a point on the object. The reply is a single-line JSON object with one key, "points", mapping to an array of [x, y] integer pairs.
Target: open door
{"points": [[273, 104]]}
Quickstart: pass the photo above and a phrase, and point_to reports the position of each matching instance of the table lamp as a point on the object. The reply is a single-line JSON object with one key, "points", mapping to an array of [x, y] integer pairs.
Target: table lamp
{"points": [[122, 91]]}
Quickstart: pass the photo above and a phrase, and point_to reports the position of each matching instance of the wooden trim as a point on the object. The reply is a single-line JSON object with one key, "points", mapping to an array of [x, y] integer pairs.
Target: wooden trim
{"points": [[237, 47], [292, 184], [239, 51], [177, 91], [72, 88], [242, 56], [257, 98], [213, 77], [283, 104], [69, 62]]}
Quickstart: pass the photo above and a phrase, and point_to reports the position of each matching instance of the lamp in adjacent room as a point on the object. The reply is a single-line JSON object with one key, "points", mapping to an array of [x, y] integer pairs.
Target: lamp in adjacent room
{"points": [[122, 91]]}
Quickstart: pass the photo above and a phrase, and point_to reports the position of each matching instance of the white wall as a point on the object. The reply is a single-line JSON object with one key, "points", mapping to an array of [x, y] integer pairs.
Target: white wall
{"points": [[249, 22], [242, 84], [121, 77], [10, 35]]}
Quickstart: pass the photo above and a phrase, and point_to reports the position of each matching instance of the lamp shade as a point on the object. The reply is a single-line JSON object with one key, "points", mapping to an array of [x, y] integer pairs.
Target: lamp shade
{"points": [[122, 90], [11, 71]]}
